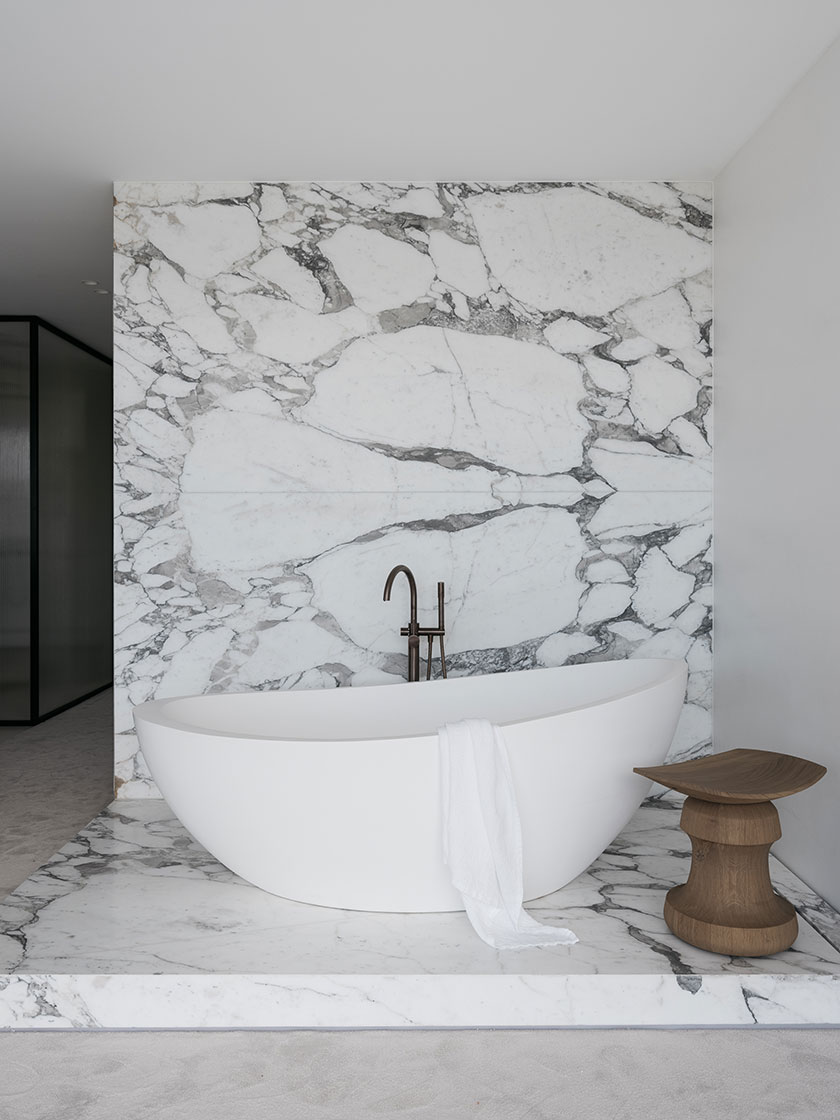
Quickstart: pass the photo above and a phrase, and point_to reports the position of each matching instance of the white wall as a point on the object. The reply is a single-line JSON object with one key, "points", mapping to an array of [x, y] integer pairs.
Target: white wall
{"points": [[777, 461]]}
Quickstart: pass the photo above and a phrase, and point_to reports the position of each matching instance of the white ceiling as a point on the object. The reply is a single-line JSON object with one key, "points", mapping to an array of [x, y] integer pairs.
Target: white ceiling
{"points": [[98, 90]]}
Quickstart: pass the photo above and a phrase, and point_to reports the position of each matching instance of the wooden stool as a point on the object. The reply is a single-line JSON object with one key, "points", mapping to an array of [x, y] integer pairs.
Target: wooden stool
{"points": [[728, 904]]}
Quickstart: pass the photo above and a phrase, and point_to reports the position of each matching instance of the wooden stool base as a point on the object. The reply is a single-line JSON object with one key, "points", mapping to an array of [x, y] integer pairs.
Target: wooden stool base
{"points": [[728, 904], [734, 941]]}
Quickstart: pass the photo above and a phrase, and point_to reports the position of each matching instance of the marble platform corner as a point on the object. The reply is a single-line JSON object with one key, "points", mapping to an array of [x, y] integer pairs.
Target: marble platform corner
{"points": [[133, 925]]}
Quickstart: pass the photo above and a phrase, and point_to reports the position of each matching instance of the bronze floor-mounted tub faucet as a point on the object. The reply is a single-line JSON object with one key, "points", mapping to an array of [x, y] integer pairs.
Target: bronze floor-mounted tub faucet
{"points": [[414, 631]]}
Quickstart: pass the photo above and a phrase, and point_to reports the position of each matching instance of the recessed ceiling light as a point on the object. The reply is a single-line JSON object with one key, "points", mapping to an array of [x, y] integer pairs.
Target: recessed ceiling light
{"points": [[102, 292], [90, 283]]}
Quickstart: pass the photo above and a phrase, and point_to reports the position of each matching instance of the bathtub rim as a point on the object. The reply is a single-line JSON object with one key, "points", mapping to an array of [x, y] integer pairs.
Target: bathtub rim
{"points": [[153, 711]]}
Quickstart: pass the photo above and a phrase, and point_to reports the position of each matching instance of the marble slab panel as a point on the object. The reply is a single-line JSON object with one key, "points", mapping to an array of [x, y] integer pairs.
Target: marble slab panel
{"points": [[134, 925], [510, 325], [230, 592], [507, 386]]}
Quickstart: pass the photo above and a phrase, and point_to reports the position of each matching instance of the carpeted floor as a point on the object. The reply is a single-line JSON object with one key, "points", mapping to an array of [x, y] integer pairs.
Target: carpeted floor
{"points": [[426, 1075]]}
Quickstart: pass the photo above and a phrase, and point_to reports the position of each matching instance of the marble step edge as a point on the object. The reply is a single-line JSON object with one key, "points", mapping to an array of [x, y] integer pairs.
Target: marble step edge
{"points": [[196, 1002]]}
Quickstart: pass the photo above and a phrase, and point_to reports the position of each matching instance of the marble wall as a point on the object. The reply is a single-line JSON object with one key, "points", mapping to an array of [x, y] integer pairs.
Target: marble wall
{"points": [[505, 386]]}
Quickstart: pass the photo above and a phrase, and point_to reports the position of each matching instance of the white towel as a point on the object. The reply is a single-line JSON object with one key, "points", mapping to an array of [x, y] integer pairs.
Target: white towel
{"points": [[482, 839]]}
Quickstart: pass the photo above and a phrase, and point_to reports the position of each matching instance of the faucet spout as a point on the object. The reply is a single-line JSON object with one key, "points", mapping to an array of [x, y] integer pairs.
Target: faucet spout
{"points": [[413, 627], [412, 587]]}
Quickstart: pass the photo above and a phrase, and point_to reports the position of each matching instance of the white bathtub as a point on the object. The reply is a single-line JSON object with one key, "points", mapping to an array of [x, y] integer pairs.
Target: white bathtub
{"points": [[331, 797]]}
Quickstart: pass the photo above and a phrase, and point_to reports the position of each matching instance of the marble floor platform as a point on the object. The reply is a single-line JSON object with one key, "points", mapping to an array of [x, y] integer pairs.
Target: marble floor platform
{"points": [[134, 925]]}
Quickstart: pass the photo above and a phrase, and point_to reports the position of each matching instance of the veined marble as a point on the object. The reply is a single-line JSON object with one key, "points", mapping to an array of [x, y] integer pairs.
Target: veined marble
{"points": [[505, 386], [133, 925]]}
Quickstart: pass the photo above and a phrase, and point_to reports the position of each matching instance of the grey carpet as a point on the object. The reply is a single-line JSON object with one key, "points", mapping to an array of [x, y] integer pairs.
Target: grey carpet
{"points": [[495, 1075]]}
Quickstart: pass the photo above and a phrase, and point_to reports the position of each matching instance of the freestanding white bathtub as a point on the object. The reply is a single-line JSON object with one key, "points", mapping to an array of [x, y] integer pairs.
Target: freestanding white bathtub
{"points": [[331, 797]]}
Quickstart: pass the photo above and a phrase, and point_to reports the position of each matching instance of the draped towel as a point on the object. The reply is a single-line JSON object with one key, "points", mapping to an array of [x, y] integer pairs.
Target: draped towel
{"points": [[482, 838]]}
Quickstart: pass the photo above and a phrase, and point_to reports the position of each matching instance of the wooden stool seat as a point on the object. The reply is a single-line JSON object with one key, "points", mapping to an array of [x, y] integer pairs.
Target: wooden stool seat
{"points": [[728, 904], [737, 777]]}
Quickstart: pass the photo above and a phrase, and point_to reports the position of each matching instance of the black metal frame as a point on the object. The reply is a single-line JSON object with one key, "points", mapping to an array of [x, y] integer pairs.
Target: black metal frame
{"points": [[35, 322]]}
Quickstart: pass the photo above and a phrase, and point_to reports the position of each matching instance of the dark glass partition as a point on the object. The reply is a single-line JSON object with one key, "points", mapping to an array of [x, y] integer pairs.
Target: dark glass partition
{"points": [[15, 516], [55, 544], [74, 522]]}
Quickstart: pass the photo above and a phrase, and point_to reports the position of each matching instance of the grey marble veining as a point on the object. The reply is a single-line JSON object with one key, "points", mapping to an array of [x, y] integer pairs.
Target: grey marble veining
{"points": [[506, 386], [133, 924]]}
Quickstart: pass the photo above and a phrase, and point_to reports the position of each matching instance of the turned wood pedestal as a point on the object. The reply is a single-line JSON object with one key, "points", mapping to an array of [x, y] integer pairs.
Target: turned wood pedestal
{"points": [[728, 904]]}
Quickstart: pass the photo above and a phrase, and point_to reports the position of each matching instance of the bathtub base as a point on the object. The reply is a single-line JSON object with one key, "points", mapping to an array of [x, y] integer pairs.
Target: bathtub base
{"points": [[134, 926]]}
